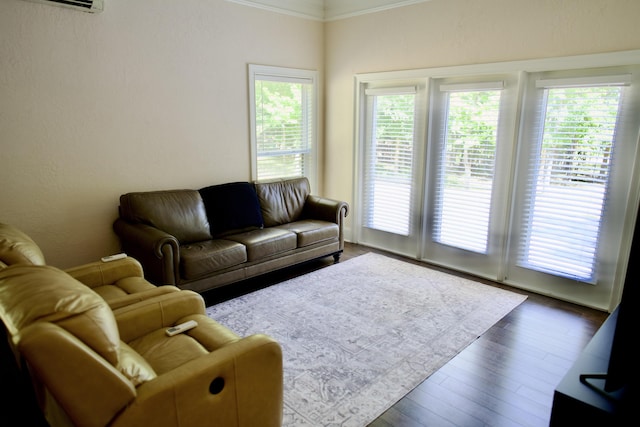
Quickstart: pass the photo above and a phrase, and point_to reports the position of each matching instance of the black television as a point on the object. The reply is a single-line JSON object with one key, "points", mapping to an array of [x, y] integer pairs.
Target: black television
{"points": [[619, 382]]}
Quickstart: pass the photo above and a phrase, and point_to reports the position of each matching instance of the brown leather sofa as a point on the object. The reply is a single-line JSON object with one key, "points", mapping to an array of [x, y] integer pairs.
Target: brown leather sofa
{"points": [[92, 365], [217, 235], [119, 282]]}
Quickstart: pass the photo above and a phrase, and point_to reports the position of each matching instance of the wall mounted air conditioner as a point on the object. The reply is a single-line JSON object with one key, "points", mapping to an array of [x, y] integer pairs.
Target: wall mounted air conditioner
{"points": [[90, 6]]}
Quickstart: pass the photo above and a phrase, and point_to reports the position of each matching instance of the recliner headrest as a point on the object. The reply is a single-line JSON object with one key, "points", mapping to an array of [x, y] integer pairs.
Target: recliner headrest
{"points": [[18, 248], [30, 293]]}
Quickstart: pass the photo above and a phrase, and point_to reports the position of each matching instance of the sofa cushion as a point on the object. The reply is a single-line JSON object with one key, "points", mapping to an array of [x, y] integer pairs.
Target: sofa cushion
{"points": [[265, 242], [18, 248], [180, 213], [201, 258], [312, 231], [282, 201], [232, 206]]}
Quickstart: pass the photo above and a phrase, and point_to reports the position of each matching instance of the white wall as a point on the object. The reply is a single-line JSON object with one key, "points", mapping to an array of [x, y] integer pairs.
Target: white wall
{"points": [[441, 33], [152, 94], [148, 94]]}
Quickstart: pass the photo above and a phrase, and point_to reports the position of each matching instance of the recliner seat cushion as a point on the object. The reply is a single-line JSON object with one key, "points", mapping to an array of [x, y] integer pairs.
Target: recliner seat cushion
{"points": [[134, 366], [201, 258], [122, 287], [165, 353]]}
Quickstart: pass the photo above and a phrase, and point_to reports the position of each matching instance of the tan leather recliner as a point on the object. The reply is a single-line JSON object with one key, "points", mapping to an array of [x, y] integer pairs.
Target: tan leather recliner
{"points": [[119, 282], [93, 366]]}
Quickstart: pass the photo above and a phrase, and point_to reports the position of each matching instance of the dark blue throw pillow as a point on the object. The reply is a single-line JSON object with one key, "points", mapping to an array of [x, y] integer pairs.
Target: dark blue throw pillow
{"points": [[232, 206]]}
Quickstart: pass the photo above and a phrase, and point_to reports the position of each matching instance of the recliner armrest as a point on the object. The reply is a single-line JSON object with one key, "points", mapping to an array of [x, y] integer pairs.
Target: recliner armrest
{"points": [[163, 311]]}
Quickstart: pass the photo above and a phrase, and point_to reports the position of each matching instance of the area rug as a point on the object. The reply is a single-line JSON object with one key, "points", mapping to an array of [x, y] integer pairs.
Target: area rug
{"points": [[359, 335]]}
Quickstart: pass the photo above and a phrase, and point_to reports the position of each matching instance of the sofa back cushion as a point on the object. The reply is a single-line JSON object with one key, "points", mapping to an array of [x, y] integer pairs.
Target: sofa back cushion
{"points": [[30, 294], [282, 201], [18, 248], [230, 207], [180, 213]]}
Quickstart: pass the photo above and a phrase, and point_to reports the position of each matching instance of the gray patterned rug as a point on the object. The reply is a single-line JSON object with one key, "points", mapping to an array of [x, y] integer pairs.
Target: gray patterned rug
{"points": [[359, 335]]}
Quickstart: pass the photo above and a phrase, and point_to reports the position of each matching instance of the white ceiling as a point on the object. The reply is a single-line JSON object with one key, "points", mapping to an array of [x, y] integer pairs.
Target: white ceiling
{"points": [[326, 10]]}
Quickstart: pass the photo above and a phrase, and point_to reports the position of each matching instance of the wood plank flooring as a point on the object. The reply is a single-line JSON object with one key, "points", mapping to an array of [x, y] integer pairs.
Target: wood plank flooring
{"points": [[505, 378]]}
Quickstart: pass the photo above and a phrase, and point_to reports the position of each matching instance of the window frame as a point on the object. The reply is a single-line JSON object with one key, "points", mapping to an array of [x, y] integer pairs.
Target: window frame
{"points": [[398, 243], [285, 75], [369, 164], [621, 206], [606, 294]]}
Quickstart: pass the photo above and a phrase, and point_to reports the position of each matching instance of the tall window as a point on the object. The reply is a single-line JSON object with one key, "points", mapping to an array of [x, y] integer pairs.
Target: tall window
{"points": [[388, 168], [466, 169], [283, 123], [568, 179]]}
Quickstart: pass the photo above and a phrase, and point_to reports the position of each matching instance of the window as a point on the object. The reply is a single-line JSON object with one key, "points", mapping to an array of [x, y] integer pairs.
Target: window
{"points": [[466, 167], [528, 178], [568, 177], [283, 123], [388, 166]]}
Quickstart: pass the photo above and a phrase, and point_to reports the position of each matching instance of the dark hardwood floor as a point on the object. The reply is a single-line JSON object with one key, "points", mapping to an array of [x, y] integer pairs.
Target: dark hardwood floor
{"points": [[505, 378]]}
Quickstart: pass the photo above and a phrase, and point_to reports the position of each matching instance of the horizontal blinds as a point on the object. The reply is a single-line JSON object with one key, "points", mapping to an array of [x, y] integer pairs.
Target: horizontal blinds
{"points": [[283, 127], [587, 81], [466, 167], [407, 90], [472, 87], [568, 178], [388, 174], [281, 78]]}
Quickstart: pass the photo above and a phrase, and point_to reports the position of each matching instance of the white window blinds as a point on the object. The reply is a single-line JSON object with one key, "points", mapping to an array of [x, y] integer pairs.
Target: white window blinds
{"points": [[568, 177], [388, 166], [466, 167], [283, 128], [283, 114]]}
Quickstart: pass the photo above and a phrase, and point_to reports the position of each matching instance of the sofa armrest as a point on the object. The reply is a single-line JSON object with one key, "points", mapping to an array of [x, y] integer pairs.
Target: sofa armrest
{"points": [[239, 384], [100, 273], [157, 251], [163, 311], [325, 209]]}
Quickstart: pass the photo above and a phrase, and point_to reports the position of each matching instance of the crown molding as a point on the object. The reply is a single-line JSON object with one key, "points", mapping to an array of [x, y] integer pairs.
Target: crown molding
{"points": [[341, 9], [326, 10]]}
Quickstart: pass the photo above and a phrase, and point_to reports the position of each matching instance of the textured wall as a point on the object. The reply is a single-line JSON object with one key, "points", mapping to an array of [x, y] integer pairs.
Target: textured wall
{"points": [[441, 33], [152, 94], [148, 94]]}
